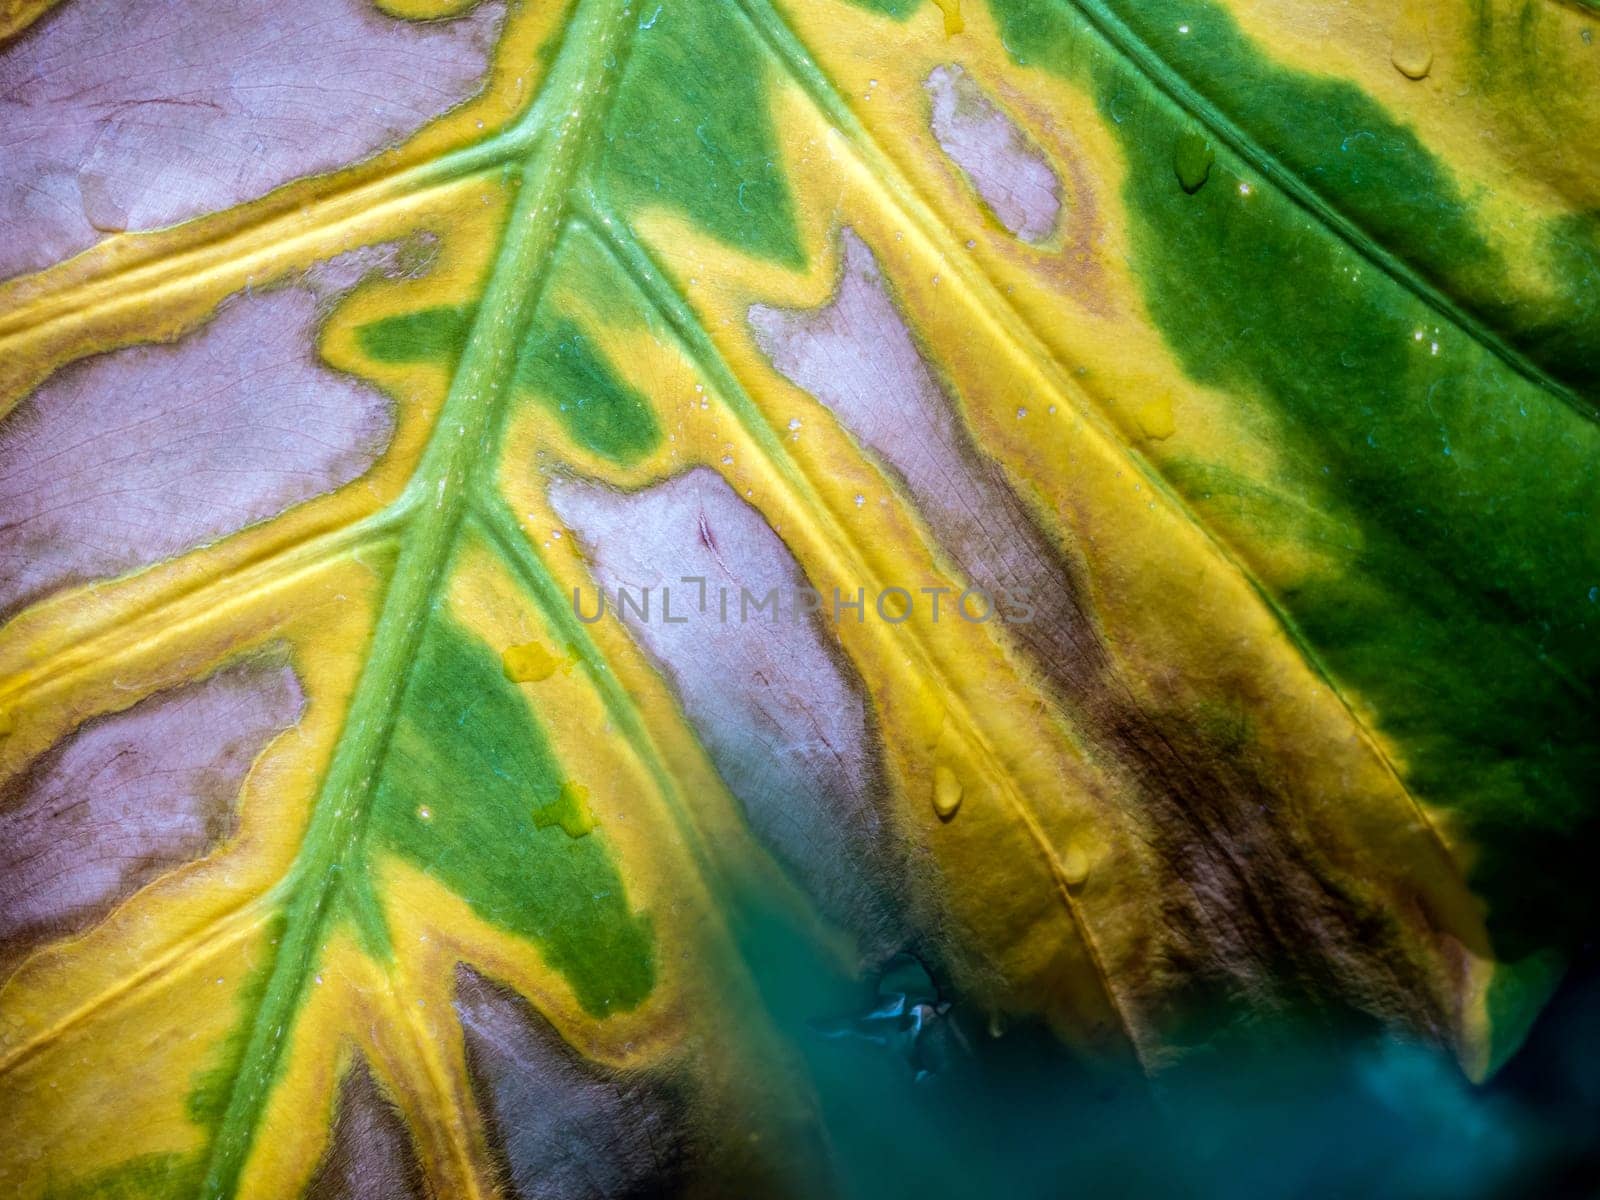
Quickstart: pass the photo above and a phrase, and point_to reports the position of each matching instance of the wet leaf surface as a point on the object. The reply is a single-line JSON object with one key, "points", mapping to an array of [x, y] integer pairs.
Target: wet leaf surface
{"points": [[796, 597]]}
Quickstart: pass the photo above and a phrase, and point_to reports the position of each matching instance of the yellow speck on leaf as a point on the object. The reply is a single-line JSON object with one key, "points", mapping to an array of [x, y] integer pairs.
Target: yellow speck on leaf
{"points": [[528, 663], [1074, 864], [570, 810], [1155, 419]]}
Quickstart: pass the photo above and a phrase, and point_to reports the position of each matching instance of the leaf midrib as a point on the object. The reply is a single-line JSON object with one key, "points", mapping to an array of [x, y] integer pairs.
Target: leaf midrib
{"points": [[562, 123]]}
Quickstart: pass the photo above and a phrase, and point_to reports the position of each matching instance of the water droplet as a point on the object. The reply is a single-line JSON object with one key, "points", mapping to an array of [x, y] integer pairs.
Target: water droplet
{"points": [[101, 206], [860, 499], [1074, 865], [424, 813], [1410, 50], [1192, 159], [946, 792]]}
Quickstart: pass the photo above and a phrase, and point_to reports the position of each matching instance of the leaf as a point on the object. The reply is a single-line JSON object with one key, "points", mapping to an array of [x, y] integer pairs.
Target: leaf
{"points": [[594, 597]]}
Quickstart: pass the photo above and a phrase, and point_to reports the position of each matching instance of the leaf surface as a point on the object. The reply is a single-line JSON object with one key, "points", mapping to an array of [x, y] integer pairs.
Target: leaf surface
{"points": [[1096, 503]]}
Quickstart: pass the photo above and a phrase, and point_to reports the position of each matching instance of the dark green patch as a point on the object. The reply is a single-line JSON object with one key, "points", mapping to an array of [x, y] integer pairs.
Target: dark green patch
{"points": [[1459, 501], [550, 48], [557, 362], [691, 129], [436, 335], [1346, 149], [600, 412], [1519, 990], [467, 776]]}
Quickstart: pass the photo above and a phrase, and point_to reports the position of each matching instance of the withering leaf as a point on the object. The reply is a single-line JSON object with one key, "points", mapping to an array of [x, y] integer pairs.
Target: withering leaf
{"points": [[602, 600]]}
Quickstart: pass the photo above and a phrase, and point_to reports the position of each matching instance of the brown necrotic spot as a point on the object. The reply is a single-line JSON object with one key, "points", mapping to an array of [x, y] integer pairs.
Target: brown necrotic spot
{"points": [[128, 796], [131, 457], [562, 1127], [1256, 915], [119, 115], [1005, 168], [371, 1155], [779, 709]]}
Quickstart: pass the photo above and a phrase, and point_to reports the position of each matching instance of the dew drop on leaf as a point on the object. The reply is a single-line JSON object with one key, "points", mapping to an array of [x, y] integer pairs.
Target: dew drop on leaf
{"points": [[1192, 159], [946, 792]]}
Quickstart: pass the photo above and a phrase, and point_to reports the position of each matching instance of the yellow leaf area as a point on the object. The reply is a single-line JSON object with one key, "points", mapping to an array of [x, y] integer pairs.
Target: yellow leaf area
{"points": [[1187, 624], [459, 819], [1070, 380]]}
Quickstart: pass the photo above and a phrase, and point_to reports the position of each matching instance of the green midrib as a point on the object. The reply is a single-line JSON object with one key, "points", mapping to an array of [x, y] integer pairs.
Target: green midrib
{"points": [[560, 127]]}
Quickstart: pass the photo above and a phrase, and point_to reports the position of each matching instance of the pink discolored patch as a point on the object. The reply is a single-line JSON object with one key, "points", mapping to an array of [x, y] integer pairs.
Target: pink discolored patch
{"points": [[371, 1156], [128, 458], [857, 357], [778, 708], [1007, 170], [128, 796], [120, 115], [561, 1126]]}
